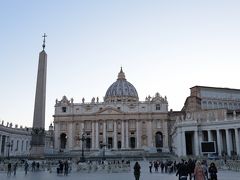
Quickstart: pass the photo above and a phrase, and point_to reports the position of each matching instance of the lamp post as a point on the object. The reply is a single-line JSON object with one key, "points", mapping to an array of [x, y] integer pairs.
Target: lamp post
{"points": [[83, 138], [8, 144]]}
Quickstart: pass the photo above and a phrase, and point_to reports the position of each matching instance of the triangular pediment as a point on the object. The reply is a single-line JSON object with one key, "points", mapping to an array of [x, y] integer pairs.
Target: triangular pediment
{"points": [[109, 110]]}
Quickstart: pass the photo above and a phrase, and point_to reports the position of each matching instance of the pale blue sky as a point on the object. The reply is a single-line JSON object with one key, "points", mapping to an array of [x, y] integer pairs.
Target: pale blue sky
{"points": [[163, 46]]}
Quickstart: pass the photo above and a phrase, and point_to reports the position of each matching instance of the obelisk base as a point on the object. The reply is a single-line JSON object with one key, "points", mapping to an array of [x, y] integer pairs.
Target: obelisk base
{"points": [[37, 152]]}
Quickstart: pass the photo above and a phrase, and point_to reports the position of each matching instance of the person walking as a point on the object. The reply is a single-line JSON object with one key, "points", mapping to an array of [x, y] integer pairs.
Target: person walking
{"points": [[66, 168], [199, 172], [182, 171], [14, 168], [212, 171], [9, 171], [137, 171], [26, 167]]}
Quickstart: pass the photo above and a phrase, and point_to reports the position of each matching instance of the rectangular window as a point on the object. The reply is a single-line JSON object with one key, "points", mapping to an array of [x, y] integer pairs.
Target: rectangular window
{"points": [[64, 109]]}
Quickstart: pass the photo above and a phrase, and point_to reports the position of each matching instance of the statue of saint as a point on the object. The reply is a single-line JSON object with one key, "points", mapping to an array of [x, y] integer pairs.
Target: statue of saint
{"points": [[83, 100]]}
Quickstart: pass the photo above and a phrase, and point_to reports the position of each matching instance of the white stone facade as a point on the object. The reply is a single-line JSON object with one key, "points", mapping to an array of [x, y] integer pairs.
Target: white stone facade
{"points": [[121, 122], [14, 141]]}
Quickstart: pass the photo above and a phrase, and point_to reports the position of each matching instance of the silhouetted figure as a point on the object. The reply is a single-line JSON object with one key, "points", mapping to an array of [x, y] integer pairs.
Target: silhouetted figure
{"points": [[182, 171], [137, 171], [212, 171], [26, 167], [9, 171], [14, 169], [66, 168], [150, 166]]}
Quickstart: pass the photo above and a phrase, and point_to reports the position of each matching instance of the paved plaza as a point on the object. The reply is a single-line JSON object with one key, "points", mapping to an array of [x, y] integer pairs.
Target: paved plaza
{"points": [[145, 175]]}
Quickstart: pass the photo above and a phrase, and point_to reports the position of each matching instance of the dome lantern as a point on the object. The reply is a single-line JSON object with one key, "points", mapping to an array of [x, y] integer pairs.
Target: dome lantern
{"points": [[121, 90]]}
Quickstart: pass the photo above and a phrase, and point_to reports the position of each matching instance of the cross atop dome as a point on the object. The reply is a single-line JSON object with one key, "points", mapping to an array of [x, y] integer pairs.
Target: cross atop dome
{"points": [[121, 75]]}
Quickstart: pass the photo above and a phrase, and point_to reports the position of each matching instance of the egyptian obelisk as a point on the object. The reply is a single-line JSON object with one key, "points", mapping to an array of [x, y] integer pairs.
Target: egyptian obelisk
{"points": [[38, 129]]}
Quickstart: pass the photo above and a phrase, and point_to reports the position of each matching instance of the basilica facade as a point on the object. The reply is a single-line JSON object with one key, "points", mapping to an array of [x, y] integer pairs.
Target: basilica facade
{"points": [[121, 122]]}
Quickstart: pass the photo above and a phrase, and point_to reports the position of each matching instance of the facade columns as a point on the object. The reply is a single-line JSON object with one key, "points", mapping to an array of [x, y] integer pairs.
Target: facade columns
{"points": [[93, 135], [81, 132], [70, 136], [149, 133], [137, 138], [196, 143], [104, 133], [97, 136], [219, 142], [115, 135], [228, 142], [127, 138], [123, 142], [237, 141]]}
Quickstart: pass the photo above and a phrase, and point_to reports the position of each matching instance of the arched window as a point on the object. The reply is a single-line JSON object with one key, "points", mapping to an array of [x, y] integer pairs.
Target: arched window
{"points": [[158, 107]]}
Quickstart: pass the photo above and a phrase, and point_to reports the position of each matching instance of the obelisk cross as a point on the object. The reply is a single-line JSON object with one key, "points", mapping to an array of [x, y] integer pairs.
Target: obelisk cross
{"points": [[44, 36]]}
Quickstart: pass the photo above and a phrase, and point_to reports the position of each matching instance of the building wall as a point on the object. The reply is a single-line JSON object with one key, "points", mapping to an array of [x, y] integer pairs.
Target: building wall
{"points": [[14, 141], [112, 121]]}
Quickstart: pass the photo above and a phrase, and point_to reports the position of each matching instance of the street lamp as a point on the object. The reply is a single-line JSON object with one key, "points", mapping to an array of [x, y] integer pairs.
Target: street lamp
{"points": [[82, 159], [8, 144]]}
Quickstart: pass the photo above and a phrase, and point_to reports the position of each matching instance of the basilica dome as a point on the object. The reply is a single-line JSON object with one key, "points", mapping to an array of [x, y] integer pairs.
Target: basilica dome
{"points": [[121, 90]]}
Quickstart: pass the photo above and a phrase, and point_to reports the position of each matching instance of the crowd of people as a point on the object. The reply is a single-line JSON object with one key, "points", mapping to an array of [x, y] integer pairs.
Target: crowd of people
{"points": [[190, 169]]}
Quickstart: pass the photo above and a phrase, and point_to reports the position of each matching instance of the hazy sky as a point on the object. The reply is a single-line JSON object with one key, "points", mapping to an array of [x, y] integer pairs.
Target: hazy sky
{"points": [[164, 46]]}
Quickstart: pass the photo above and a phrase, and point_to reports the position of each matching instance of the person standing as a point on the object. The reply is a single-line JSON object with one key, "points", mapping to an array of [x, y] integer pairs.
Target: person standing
{"points": [[137, 171], [199, 172], [150, 166], [212, 171]]}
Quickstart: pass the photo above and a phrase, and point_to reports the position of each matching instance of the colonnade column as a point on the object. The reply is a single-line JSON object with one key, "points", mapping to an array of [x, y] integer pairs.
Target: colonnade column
{"points": [[237, 141], [196, 143], [183, 144], [0, 144], [209, 135], [123, 142], [93, 135], [97, 135], [127, 143], [219, 142], [115, 135], [104, 132], [228, 142]]}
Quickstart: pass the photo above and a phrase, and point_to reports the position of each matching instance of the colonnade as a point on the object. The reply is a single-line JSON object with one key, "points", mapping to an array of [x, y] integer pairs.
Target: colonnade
{"points": [[226, 141]]}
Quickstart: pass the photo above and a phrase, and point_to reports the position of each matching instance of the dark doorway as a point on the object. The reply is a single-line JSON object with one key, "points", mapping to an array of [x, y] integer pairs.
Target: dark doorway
{"points": [[159, 139], [189, 143], [88, 143], [110, 142], [63, 141], [119, 145], [132, 142]]}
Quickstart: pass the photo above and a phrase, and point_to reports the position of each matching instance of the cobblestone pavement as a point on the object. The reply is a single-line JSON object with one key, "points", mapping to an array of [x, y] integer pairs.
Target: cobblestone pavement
{"points": [[145, 175]]}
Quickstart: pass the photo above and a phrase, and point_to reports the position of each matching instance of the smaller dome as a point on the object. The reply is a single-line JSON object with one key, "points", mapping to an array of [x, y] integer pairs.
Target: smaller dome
{"points": [[121, 90]]}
